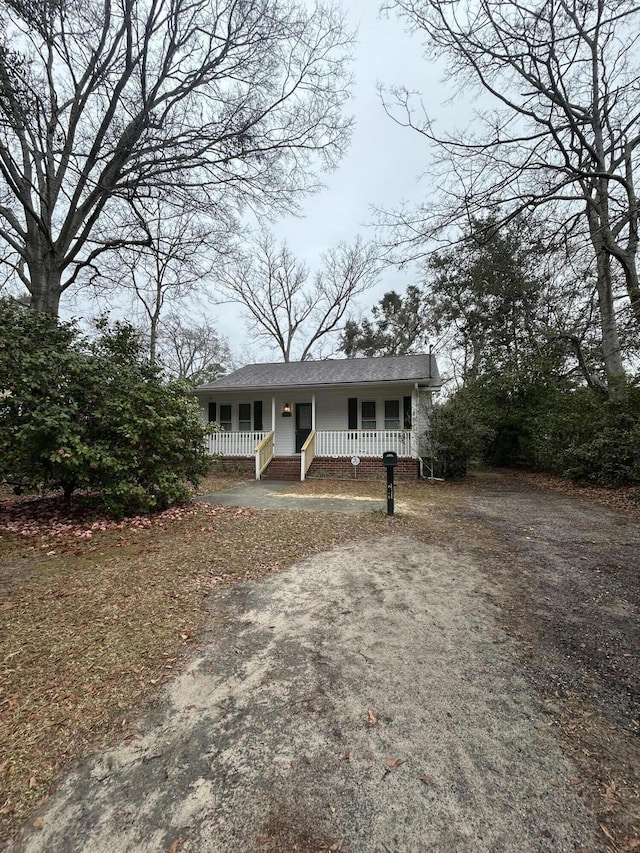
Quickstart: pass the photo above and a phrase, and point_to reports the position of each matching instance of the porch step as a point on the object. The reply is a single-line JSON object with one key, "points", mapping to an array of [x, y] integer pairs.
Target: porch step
{"points": [[283, 468]]}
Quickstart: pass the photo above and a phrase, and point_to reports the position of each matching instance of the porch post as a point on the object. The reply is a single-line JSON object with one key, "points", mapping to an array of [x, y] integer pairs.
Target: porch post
{"points": [[313, 411], [415, 417], [273, 417]]}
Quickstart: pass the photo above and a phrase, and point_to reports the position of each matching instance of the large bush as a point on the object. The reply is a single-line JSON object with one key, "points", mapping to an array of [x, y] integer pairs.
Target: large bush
{"points": [[577, 432], [78, 414], [590, 438], [458, 433]]}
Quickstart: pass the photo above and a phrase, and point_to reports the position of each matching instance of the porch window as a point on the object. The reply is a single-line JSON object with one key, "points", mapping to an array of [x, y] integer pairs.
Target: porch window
{"points": [[368, 414], [392, 414], [244, 417], [225, 417]]}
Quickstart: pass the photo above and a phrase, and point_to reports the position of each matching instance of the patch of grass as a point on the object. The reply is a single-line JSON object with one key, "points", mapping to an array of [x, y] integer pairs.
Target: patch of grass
{"points": [[216, 480]]}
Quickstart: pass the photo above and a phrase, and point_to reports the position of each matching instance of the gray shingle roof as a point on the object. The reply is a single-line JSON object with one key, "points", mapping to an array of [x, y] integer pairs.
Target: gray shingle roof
{"points": [[345, 371]]}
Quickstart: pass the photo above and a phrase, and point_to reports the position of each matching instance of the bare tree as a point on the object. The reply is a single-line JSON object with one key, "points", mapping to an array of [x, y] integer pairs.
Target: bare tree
{"points": [[181, 252], [218, 102], [285, 308], [563, 137], [193, 352]]}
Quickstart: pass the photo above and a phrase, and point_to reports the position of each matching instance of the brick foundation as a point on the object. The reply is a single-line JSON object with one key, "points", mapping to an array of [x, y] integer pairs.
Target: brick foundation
{"points": [[370, 468], [328, 468]]}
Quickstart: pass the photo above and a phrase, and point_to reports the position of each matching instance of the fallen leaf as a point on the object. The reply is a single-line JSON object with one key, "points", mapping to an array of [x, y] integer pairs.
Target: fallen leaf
{"points": [[372, 718], [176, 845], [8, 807], [347, 755], [38, 823], [426, 778], [33, 782], [394, 762]]}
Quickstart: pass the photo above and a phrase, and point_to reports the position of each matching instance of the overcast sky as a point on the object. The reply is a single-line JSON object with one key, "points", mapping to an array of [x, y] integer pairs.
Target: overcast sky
{"points": [[381, 168]]}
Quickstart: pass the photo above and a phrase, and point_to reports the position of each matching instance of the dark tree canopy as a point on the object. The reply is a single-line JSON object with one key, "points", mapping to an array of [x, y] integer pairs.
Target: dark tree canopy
{"points": [[78, 414], [399, 325], [207, 104]]}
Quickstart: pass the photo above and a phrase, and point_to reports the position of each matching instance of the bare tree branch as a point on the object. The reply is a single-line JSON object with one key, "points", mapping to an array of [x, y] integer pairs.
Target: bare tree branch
{"points": [[223, 103], [563, 137], [284, 309]]}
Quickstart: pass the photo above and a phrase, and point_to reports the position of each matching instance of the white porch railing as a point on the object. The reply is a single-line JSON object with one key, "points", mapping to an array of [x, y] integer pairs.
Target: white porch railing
{"points": [[364, 442], [264, 453], [234, 443], [307, 453]]}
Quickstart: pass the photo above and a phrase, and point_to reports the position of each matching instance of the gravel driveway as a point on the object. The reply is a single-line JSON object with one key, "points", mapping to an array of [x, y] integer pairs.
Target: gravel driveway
{"points": [[410, 694]]}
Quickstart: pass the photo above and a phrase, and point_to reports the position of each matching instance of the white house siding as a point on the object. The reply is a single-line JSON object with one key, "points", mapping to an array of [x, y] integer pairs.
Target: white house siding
{"points": [[331, 408]]}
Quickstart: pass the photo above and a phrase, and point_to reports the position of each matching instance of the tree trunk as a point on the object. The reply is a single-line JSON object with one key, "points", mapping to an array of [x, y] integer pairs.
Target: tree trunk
{"points": [[629, 259], [45, 288], [611, 354], [616, 379], [633, 287], [153, 339]]}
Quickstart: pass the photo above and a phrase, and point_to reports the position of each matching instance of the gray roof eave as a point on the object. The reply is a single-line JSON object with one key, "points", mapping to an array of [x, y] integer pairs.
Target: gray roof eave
{"points": [[424, 383]]}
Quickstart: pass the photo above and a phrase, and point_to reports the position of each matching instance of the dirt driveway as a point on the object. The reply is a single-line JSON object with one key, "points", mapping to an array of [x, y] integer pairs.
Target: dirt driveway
{"points": [[466, 683]]}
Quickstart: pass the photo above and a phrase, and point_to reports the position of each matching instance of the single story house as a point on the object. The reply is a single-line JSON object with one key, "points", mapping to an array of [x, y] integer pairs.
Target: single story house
{"points": [[295, 419]]}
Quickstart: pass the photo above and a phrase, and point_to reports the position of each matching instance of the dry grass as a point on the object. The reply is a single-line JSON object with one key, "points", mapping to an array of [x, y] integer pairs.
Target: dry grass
{"points": [[216, 481], [91, 627], [411, 497]]}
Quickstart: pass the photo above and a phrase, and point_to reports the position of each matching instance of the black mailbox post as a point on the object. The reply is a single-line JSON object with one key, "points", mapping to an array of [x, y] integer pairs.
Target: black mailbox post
{"points": [[390, 460]]}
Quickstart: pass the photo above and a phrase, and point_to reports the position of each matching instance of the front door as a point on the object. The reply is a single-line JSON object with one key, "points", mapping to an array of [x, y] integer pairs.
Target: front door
{"points": [[303, 424]]}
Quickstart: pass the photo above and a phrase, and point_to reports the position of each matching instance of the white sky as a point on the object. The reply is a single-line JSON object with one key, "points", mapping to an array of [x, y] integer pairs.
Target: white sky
{"points": [[381, 168]]}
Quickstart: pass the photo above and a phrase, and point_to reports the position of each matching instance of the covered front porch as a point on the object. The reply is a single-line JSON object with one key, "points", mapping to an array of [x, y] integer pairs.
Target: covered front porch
{"points": [[298, 431], [356, 444]]}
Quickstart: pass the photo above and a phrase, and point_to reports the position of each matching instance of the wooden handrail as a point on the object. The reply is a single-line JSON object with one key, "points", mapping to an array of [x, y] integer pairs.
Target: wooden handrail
{"points": [[264, 453], [307, 454], [268, 437], [311, 438]]}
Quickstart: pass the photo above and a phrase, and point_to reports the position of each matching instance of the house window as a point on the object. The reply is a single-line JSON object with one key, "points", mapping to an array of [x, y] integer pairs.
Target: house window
{"points": [[225, 417], [244, 417], [392, 414], [368, 414]]}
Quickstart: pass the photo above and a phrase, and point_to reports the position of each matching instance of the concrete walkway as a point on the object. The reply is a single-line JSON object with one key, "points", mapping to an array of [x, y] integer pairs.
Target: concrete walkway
{"points": [[270, 494]]}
